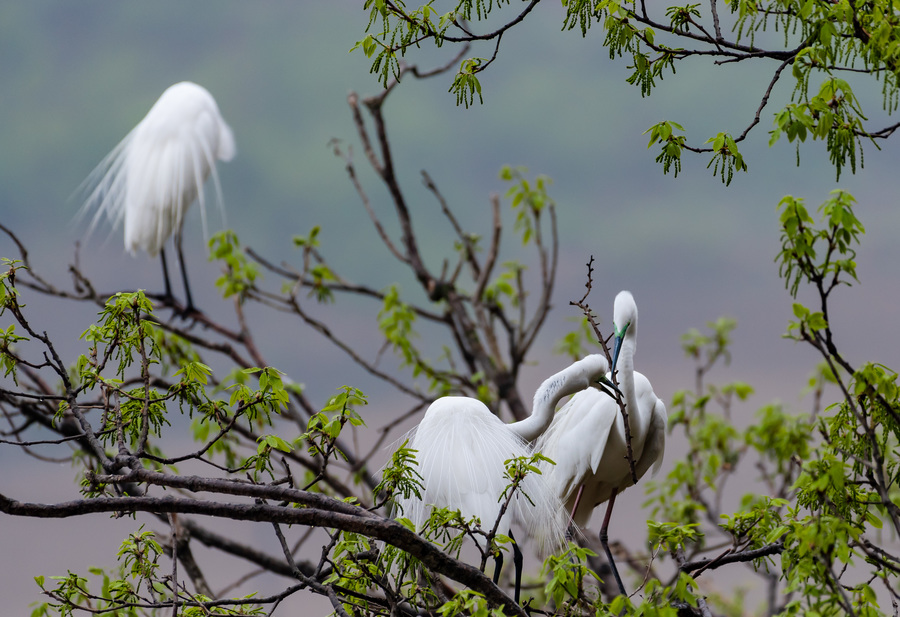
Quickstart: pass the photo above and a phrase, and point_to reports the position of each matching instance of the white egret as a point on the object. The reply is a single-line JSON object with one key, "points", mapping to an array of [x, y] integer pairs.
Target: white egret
{"points": [[586, 439], [152, 176], [461, 448]]}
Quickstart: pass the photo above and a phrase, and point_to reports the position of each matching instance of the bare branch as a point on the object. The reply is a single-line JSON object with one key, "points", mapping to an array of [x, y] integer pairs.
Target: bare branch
{"points": [[726, 558]]}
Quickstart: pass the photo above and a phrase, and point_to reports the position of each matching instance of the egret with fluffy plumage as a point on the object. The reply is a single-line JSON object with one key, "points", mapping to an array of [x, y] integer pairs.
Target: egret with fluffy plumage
{"points": [[461, 448], [153, 175], [587, 441]]}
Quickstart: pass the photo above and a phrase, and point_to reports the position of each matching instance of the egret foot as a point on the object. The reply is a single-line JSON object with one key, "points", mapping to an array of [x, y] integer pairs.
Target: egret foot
{"points": [[188, 312], [184, 279], [517, 562], [498, 566]]}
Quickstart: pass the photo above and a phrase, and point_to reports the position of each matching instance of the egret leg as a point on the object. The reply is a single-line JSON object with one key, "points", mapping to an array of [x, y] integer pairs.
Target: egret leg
{"points": [[604, 540], [498, 565], [572, 515], [517, 562], [165, 267], [187, 288]]}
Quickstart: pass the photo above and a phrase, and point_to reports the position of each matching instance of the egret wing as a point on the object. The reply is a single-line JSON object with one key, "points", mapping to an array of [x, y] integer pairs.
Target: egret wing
{"points": [[576, 440], [462, 450], [655, 441]]}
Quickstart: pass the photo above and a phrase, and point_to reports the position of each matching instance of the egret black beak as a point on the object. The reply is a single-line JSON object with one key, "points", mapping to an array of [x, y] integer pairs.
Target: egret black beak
{"points": [[606, 386]]}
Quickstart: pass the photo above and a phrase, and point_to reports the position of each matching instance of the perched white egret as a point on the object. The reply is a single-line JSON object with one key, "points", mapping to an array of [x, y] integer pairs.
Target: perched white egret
{"points": [[586, 439], [461, 448], [148, 181]]}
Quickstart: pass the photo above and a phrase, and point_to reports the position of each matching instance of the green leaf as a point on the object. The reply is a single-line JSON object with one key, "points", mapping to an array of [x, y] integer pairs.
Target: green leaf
{"points": [[777, 533]]}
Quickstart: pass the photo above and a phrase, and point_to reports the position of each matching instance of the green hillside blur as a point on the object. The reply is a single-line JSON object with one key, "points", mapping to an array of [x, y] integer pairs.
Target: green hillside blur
{"points": [[77, 76]]}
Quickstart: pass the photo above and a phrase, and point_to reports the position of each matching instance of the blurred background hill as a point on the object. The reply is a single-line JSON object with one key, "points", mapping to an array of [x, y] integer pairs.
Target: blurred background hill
{"points": [[76, 77]]}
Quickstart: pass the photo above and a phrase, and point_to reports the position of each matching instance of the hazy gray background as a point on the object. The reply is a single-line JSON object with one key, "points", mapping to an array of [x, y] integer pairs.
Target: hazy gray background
{"points": [[74, 78]]}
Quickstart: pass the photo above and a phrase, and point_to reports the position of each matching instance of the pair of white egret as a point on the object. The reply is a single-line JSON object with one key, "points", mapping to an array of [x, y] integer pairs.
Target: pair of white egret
{"points": [[461, 448], [151, 178]]}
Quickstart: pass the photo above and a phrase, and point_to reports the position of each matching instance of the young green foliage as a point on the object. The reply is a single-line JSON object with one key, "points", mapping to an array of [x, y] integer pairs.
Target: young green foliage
{"points": [[822, 256], [396, 320], [726, 157], [578, 342], [671, 145], [528, 199], [239, 274], [466, 85], [566, 575], [324, 428], [136, 585], [399, 477], [819, 41], [9, 300]]}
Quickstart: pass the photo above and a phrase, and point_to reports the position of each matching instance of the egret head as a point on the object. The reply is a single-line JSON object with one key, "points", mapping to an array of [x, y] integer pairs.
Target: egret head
{"points": [[607, 387], [596, 367], [624, 323]]}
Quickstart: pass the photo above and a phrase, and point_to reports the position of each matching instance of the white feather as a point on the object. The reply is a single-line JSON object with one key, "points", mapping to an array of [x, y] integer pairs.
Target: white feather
{"points": [[152, 176], [462, 448]]}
